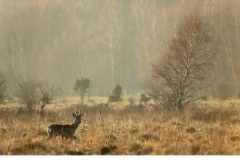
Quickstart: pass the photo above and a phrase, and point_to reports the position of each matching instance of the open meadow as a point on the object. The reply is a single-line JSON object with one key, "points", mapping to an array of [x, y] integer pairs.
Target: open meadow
{"points": [[207, 128]]}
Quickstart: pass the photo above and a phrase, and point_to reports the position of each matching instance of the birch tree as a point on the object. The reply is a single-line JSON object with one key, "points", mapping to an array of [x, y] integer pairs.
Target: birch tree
{"points": [[114, 31], [185, 66]]}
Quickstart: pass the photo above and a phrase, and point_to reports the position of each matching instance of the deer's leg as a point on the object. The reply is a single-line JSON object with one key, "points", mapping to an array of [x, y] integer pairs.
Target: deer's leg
{"points": [[72, 137], [49, 136]]}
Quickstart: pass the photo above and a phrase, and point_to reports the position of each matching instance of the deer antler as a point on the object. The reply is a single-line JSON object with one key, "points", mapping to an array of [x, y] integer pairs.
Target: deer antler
{"points": [[80, 112], [76, 111]]}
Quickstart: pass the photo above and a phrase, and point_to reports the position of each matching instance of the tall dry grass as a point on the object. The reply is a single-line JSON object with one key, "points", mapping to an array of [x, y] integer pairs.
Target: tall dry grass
{"points": [[208, 128]]}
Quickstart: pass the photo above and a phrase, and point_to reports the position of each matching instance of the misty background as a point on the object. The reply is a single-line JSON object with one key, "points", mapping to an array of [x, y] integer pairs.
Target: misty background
{"points": [[112, 42]]}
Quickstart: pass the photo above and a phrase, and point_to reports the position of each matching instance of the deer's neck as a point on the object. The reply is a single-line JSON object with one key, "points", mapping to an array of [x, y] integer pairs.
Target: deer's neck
{"points": [[75, 125]]}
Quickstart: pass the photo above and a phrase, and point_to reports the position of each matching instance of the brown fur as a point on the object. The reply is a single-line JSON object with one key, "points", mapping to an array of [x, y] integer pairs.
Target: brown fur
{"points": [[65, 131]]}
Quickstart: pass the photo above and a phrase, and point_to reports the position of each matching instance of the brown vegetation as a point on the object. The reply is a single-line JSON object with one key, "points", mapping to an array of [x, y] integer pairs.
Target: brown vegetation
{"points": [[209, 128]]}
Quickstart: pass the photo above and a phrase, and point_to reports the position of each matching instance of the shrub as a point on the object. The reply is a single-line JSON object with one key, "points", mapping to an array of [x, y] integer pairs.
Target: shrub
{"points": [[81, 86], [144, 98], [46, 98], [131, 101], [27, 93], [116, 94]]}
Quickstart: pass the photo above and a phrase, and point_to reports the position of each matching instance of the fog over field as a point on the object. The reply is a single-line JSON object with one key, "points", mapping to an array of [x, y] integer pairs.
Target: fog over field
{"points": [[109, 41], [119, 77]]}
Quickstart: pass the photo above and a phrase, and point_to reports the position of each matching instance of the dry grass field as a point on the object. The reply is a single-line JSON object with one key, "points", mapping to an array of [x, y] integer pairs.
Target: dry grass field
{"points": [[208, 128]]}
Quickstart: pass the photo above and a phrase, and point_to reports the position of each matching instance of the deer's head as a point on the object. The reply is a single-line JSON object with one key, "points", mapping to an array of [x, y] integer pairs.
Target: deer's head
{"points": [[78, 116]]}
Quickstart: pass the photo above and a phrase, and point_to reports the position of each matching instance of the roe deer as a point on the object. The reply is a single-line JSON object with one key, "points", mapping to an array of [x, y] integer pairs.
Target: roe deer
{"points": [[65, 131]]}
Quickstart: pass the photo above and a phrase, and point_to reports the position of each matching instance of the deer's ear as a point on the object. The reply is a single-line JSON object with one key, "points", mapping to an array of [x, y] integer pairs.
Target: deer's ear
{"points": [[74, 115]]}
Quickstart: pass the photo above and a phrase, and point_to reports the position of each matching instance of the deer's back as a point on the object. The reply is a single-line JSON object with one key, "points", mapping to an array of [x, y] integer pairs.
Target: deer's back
{"points": [[57, 129]]}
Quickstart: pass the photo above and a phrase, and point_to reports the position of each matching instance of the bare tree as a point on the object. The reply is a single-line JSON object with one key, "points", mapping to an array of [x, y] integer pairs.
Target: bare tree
{"points": [[114, 32], [46, 97], [3, 88], [184, 67], [27, 94]]}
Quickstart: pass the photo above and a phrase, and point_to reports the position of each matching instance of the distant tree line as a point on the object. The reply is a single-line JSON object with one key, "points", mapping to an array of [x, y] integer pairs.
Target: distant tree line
{"points": [[60, 40]]}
